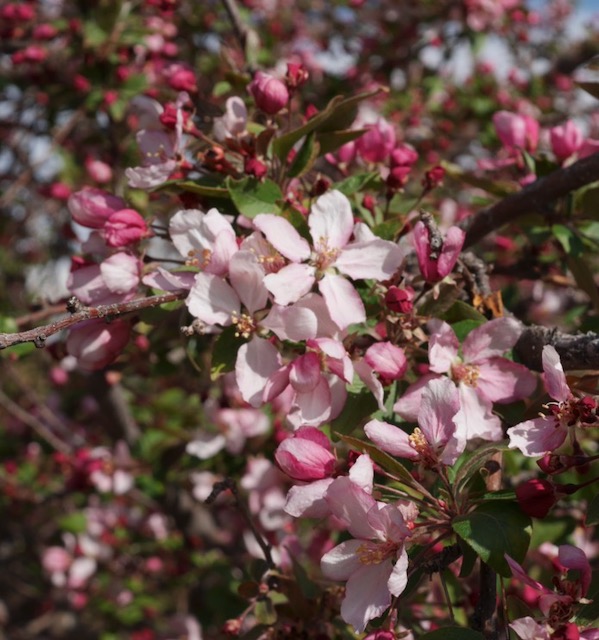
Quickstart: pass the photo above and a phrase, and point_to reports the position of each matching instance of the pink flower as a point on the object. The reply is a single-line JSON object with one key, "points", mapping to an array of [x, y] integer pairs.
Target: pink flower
{"points": [[306, 455], [92, 207], [270, 93], [516, 130], [436, 262], [540, 435], [566, 140], [96, 344], [233, 122], [436, 439], [375, 562], [481, 374], [98, 170], [331, 226], [125, 227], [378, 142], [387, 360]]}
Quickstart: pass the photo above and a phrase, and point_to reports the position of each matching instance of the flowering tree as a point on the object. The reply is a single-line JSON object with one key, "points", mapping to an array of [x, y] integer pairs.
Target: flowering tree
{"points": [[298, 338]]}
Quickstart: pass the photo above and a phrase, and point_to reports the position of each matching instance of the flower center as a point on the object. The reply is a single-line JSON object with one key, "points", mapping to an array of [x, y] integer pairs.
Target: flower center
{"points": [[245, 324], [272, 262], [324, 256], [376, 552], [466, 373], [421, 445], [199, 258]]}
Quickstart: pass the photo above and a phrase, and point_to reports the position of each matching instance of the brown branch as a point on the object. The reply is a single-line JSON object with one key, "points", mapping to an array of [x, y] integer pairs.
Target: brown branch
{"points": [[107, 311], [535, 197]]}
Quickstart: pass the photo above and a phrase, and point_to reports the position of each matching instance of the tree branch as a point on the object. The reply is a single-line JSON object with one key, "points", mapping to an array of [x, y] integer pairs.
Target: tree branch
{"points": [[532, 198], [39, 335]]}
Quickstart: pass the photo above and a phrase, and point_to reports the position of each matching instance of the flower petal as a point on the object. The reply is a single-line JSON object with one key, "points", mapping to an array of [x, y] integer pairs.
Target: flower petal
{"points": [[283, 236], [537, 437], [555, 378], [375, 259], [256, 361], [212, 300], [290, 283], [331, 220], [343, 302], [491, 339]]}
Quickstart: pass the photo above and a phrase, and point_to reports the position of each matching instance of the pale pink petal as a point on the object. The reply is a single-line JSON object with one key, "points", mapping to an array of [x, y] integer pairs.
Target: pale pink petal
{"points": [[518, 572], [256, 361], [366, 595], [317, 304], [338, 390], [443, 346], [342, 561], [294, 323], [350, 503], [150, 177], [121, 272], [440, 403], [331, 221], [528, 629], [399, 576], [362, 473], [475, 418], [212, 300], [304, 373], [225, 247], [247, 278], [343, 302], [314, 408], [491, 339], [408, 406], [308, 501], [276, 384], [555, 378], [376, 260], [390, 439], [369, 378], [501, 380], [290, 283], [387, 359], [283, 236], [206, 445], [575, 558], [81, 570], [164, 280], [537, 437], [192, 229]]}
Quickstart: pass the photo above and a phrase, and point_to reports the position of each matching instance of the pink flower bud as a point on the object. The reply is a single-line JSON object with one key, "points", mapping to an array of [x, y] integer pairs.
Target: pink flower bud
{"points": [[515, 130], [433, 178], [536, 497], [378, 142], [55, 559], [96, 344], [387, 360], [297, 75], [400, 300], [254, 167], [269, 93], [438, 262], [397, 178], [98, 170], [92, 207], [306, 455], [403, 155], [125, 227], [44, 32], [181, 78], [59, 190], [565, 140]]}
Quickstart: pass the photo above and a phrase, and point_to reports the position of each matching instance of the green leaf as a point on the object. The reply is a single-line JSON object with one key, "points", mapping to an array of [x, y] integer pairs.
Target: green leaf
{"points": [[569, 239], [584, 278], [336, 116], [461, 311], [331, 141], [442, 304], [354, 183], [592, 512], [73, 522], [265, 611], [358, 408], [252, 197], [452, 633], [471, 463], [305, 158], [494, 529], [93, 34], [206, 190], [224, 352], [463, 327], [389, 229]]}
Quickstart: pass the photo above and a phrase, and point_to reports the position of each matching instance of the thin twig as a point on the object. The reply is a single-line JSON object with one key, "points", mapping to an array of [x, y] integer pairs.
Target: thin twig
{"points": [[107, 311], [533, 198]]}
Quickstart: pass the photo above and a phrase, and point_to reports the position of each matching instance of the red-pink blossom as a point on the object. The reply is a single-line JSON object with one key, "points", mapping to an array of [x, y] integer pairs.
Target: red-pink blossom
{"points": [[378, 142], [516, 130], [306, 455], [125, 227], [566, 140], [437, 263], [96, 344], [91, 207]]}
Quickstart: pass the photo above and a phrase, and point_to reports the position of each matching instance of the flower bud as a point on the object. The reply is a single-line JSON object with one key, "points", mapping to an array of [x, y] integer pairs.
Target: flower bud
{"points": [[515, 130], [269, 93], [306, 455], [378, 142], [404, 155], [565, 140], [92, 207], [400, 300], [125, 227], [98, 170], [96, 344], [297, 75], [536, 497]]}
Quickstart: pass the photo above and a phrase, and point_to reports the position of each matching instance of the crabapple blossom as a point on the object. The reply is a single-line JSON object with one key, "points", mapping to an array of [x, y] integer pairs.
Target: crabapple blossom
{"points": [[374, 563], [516, 130], [331, 227], [436, 256], [270, 94], [92, 207], [233, 122], [125, 227], [306, 455], [566, 140], [538, 436], [96, 344], [436, 439], [481, 374], [378, 142]]}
